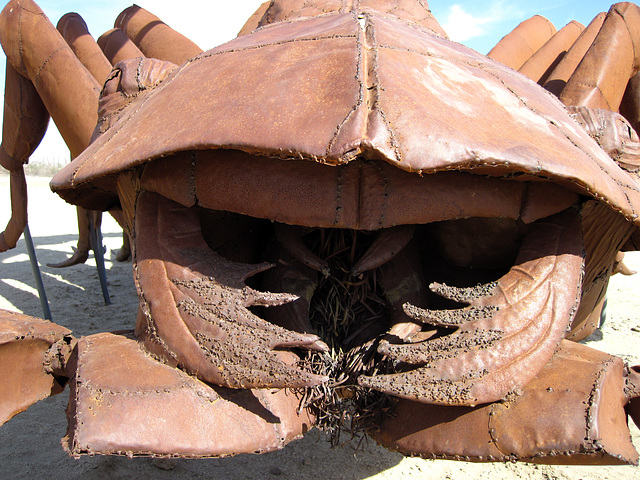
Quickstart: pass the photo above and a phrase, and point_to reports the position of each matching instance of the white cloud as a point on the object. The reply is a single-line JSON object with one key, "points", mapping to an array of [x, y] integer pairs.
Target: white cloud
{"points": [[461, 26], [470, 20]]}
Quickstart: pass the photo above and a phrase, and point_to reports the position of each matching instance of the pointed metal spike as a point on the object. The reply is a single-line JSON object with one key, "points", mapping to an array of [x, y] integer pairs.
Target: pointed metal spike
{"points": [[267, 299], [290, 237], [441, 348], [388, 243], [449, 318], [463, 294]]}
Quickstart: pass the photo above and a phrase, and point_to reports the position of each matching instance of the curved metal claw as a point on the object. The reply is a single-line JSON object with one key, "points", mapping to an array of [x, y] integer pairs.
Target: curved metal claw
{"points": [[291, 239], [385, 247], [79, 256], [509, 331], [195, 306]]}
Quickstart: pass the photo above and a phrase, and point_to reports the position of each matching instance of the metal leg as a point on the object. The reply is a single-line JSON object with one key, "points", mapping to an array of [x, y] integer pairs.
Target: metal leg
{"points": [[36, 273], [95, 237]]}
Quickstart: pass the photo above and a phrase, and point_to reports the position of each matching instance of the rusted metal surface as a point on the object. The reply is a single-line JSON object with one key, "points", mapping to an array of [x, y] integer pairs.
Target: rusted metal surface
{"points": [[117, 46], [153, 37], [562, 72], [26, 356], [25, 120], [540, 65], [602, 76], [526, 39], [388, 125], [129, 408], [509, 328], [343, 216], [576, 399]]}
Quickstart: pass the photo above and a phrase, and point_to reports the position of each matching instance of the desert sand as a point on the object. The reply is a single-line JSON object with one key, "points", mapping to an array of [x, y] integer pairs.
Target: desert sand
{"points": [[30, 442]]}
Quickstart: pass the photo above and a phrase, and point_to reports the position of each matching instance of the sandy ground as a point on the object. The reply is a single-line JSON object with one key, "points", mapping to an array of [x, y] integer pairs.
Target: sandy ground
{"points": [[30, 442]]}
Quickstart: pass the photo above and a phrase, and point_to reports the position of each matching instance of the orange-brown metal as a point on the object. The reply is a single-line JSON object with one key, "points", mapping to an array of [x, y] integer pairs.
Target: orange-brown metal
{"points": [[25, 121], [630, 105], [416, 12], [40, 53], [558, 78], [117, 46], [331, 73], [154, 37], [602, 76], [28, 361], [577, 400], [523, 41], [357, 121], [130, 407], [74, 30], [541, 64], [254, 20]]}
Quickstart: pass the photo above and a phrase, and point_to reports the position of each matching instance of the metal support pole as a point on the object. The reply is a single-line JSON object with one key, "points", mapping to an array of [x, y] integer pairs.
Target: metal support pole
{"points": [[36, 273], [95, 237]]}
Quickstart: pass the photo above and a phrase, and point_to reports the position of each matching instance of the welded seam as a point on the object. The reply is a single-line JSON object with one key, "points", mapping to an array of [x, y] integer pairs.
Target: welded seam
{"points": [[626, 25], [595, 87], [492, 430], [544, 336], [385, 197], [278, 428], [192, 177], [144, 303], [148, 94], [144, 97], [361, 72], [621, 184], [45, 62], [339, 205], [591, 427], [272, 44], [375, 89], [522, 271], [354, 6], [184, 384], [20, 43]]}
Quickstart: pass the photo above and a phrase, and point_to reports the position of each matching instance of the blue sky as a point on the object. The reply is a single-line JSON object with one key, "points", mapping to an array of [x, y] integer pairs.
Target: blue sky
{"points": [[475, 23], [481, 24]]}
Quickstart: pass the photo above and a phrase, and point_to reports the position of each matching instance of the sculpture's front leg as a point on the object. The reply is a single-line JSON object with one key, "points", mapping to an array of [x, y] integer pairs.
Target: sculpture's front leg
{"points": [[25, 121], [39, 53], [43, 77]]}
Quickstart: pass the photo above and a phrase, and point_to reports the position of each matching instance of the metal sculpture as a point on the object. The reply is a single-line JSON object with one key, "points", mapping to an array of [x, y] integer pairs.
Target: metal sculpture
{"points": [[340, 213]]}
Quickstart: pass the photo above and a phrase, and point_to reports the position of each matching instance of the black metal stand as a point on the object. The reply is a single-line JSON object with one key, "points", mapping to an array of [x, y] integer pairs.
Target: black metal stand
{"points": [[35, 268], [95, 238]]}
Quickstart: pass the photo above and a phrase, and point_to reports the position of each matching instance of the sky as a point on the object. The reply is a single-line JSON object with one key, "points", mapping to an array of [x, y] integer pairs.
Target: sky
{"points": [[479, 24]]}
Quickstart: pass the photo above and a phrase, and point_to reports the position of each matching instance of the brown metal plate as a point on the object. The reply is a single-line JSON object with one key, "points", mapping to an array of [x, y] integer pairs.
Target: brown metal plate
{"points": [[24, 342], [330, 88], [125, 402]]}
